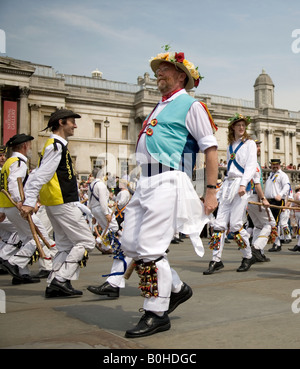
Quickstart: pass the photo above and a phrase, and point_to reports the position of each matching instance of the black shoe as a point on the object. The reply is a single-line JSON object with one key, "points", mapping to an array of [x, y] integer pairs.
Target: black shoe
{"points": [[275, 248], [50, 292], [178, 298], [150, 323], [105, 289], [213, 266], [259, 257], [175, 241], [43, 273], [265, 258], [246, 264], [65, 287], [26, 279], [13, 270], [296, 248]]}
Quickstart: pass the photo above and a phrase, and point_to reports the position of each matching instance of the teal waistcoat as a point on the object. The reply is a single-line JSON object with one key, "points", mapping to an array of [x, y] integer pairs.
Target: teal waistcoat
{"points": [[171, 143]]}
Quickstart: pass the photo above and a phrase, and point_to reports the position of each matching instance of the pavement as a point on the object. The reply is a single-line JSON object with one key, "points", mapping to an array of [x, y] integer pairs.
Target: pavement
{"points": [[228, 310]]}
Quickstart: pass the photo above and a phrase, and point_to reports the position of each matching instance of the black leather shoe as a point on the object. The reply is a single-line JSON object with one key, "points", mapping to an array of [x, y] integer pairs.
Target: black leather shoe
{"points": [[246, 264], [65, 287], [213, 266], [26, 279], [178, 298], [43, 273], [296, 248], [150, 323], [13, 270], [50, 292], [105, 289], [257, 254], [275, 248]]}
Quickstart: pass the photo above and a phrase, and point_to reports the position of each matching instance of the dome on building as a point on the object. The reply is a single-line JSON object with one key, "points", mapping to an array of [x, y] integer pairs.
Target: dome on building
{"points": [[96, 73], [263, 79]]}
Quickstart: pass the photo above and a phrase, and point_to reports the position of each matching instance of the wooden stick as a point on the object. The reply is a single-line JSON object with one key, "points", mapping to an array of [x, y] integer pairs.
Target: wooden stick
{"points": [[31, 224], [129, 270], [273, 206]]}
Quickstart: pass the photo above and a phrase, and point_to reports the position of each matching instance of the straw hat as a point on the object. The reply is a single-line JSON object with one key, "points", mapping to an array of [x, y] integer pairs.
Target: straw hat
{"points": [[179, 61]]}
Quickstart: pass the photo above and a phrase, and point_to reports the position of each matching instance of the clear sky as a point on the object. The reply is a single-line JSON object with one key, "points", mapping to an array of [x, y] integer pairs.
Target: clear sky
{"points": [[230, 41]]}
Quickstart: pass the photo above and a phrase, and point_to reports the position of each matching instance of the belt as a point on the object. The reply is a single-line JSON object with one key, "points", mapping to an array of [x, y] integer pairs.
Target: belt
{"points": [[149, 170]]}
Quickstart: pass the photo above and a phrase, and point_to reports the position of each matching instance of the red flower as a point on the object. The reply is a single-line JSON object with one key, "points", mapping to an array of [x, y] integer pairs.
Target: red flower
{"points": [[179, 57], [196, 83]]}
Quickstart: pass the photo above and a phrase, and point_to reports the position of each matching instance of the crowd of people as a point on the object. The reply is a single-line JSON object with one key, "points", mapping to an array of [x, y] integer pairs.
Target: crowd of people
{"points": [[49, 217]]}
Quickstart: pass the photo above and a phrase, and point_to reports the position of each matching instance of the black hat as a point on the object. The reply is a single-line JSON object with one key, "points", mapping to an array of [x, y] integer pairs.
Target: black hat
{"points": [[3, 149], [18, 139], [61, 114], [275, 161]]}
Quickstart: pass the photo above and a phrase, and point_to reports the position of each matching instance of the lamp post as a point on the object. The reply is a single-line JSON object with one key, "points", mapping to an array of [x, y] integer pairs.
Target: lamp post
{"points": [[106, 125]]}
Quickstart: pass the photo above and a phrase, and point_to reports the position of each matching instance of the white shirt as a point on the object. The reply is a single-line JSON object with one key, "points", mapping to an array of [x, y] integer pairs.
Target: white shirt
{"points": [[101, 192], [17, 169], [197, 123], [44, 173], [278, 183], [246, 157], [123, 198]]}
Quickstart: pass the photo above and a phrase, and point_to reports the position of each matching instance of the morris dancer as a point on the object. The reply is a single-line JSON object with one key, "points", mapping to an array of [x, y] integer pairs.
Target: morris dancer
{"points": [[16, 167], [297, 215], [242, 161], [98, 203], [261, 216], [54, 181], [165, 201], [277, 188]]}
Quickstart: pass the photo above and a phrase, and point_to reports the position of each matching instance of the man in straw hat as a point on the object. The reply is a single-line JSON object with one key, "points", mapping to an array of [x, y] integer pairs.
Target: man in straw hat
{"points": [[242, 161], [165, 201], [277, 189], [54, 181]]}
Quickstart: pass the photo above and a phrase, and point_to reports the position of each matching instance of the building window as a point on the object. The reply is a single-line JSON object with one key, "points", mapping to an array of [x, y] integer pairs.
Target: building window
{"points": [[124, 132], [277, 143], [97, 130], [97, 162]]}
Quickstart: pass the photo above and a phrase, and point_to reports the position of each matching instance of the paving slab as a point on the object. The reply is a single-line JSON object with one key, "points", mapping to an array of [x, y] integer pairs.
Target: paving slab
{"points": [[228, 310]]}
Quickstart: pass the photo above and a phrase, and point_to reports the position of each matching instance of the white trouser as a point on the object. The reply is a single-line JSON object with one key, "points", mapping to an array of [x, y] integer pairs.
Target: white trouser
{"points": [[102, 221], [152, 217], [117, 265], [9, 237], [232, 210], [283, 224], [22, 257], [263, 221], [72, 236]]}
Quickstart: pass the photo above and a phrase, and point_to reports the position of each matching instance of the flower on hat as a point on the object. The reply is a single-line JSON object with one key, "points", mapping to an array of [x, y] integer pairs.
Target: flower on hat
{"points": [[238, 117], [175, 57]]}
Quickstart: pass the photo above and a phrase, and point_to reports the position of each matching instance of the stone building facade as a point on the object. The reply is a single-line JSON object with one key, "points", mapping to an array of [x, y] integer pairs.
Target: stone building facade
{"points": [[112, 114]]}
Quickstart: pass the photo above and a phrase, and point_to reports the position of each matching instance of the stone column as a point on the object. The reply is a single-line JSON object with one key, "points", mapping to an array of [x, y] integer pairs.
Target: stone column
{"points": [[34, 131], [294, 148], [270, 144], [260, 134], [287, 147], [24, 121]]}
